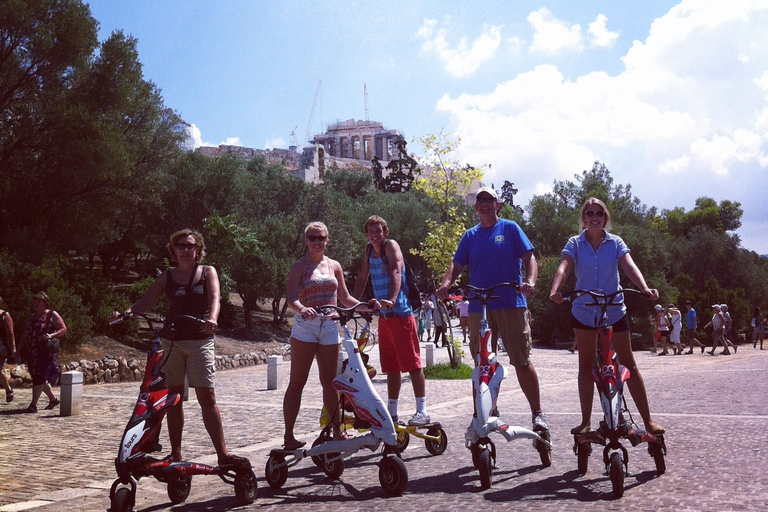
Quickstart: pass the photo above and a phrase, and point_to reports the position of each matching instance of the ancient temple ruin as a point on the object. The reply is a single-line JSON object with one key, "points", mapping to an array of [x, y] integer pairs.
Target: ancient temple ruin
{"points": [[347, 144]]}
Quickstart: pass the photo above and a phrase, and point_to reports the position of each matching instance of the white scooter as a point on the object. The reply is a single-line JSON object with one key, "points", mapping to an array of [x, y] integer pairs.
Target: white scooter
{"points": [[369, 407], [486, 381]]}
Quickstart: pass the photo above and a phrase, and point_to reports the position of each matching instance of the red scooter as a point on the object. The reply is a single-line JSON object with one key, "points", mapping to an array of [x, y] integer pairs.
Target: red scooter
{"points": [[143, 431]]}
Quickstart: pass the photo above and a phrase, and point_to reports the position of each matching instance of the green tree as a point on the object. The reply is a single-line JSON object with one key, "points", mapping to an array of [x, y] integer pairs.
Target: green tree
{"points": [[446, 183], [400, 171]]}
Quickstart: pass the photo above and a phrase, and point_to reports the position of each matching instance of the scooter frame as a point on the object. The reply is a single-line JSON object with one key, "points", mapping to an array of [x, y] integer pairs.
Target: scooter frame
{"points": [[355, 383], [141, 436], [435, 438], [486, 381], [610, 375]]}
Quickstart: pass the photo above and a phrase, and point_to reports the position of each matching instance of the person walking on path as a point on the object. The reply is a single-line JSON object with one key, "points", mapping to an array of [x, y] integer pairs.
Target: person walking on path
{"points": [[728, 327], [8, 350], [595, 255], [398, 340], [718, 326], [676, 319], [758, 329], [44, 324], [692, 322], [315, 281], [190, 289], [439, 317], [464, 318], [497, 251], [663, 322]]}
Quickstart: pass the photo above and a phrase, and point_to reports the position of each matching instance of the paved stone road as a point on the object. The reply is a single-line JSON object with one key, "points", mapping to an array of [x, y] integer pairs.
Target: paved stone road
{"points": [[714, 409]]}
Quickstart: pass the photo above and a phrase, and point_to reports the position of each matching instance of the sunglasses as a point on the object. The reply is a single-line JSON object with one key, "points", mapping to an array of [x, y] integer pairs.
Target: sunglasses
{"points": [[186, 247], [590, 213], [316, 238]]}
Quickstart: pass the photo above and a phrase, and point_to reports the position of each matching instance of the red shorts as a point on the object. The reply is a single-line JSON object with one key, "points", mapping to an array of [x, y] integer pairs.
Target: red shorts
{"points": [[399, 344]]}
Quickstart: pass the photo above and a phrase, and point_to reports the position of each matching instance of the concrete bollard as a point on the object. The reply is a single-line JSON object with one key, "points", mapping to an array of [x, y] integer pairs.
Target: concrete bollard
{"points": [[71, 393], [429, 347], [274, 372]]}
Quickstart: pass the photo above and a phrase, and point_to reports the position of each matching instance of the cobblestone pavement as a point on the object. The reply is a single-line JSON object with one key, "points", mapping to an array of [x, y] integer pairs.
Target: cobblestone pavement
{"points": [[713, 408]]}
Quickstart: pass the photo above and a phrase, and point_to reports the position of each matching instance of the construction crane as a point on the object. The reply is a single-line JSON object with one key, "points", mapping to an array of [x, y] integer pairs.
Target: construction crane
{"points": [[365, 90], [312, 113]]}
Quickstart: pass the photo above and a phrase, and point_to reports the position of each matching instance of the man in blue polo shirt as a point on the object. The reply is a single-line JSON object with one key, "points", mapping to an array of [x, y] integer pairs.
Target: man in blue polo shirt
{"points": [[496, 251]]}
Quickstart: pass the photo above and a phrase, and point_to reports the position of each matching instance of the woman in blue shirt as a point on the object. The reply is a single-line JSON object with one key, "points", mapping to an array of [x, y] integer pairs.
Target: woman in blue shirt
{"points": [[595, 256]]}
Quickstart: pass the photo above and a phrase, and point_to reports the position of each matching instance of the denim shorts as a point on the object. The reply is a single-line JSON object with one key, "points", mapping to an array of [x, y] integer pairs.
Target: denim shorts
{"points": [[324, 331]]}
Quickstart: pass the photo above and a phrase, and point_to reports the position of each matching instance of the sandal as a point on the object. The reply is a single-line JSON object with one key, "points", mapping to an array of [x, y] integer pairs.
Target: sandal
{"points": [[31, 409], [234, 460], [289, 447], [655, 429], [53, 403], [580, 430], [9, 396], [171, 458]]}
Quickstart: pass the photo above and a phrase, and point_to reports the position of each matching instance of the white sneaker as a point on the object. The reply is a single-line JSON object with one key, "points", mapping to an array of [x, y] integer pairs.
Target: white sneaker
{"points": [[419, 419], [540, 422]]}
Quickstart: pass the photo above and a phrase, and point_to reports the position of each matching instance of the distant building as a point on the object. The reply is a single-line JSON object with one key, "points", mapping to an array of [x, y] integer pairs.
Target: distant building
{"points": [[345, 145]]}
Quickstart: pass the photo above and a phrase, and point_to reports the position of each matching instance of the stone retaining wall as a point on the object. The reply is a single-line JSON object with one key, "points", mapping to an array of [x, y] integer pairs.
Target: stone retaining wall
{"points": [[119, 369]]}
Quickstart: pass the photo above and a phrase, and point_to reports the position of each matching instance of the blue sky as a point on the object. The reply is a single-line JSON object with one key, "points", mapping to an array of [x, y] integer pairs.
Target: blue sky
{"points": [[671, 96]]}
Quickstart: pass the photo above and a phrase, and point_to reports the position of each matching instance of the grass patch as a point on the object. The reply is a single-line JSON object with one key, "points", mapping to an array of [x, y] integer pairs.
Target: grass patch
{"points": [[444, 371]]}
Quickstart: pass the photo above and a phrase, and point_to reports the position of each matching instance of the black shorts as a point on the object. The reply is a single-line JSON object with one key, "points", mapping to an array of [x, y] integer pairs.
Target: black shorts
{"points": [[621, 326]]}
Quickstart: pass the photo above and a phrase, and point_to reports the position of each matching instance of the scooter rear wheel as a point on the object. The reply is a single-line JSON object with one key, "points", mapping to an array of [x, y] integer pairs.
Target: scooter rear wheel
{"points": [[393, 475], [121, 501], [657, 452], [333, 469], [317, 459], [436, 447], [616, 470], [403, 439], [484, 465], [246, 487], [178, 490], [582, 455], [275, 476], [545, 452]]}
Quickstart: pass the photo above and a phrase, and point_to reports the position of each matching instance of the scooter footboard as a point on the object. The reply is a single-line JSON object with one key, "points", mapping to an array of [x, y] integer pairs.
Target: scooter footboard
{"points": [[346, 446], [512, 433]]}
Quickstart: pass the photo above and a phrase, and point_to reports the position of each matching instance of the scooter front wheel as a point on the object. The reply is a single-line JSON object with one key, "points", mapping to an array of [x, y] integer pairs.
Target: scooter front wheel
{"points": [[122, 500], [246, 487], [485, 466], [178, 490], [276, 476], [436, 447], [616, 470], [393, 475]]}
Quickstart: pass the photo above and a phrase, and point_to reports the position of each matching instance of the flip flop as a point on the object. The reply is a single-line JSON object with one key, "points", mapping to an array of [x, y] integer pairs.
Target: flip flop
{"points": [[53, 403], [171, 458], [234, 460], [291, 447]]}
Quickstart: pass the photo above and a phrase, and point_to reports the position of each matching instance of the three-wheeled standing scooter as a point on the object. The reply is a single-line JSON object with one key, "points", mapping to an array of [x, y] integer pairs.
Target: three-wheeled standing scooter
{"points": [[486, 380], [141, 435], [617, 424], [356, 385]]}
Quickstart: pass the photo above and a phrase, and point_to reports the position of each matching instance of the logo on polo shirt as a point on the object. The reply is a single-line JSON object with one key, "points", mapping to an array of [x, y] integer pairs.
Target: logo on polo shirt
{"points": [[499, 239]]}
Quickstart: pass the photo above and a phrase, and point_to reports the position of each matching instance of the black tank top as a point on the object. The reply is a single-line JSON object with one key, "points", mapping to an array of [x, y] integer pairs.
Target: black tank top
{"points": [[188, 299]]}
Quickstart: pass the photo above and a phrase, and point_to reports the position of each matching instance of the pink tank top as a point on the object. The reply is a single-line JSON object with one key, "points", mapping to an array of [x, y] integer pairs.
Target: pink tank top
{"points": [[318, 289]]}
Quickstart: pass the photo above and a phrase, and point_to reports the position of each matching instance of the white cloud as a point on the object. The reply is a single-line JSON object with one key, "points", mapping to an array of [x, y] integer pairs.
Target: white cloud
{"points": [[690, 110], [601, 36], [231, 141], [465, 58], [552, 35], [278, 142]]}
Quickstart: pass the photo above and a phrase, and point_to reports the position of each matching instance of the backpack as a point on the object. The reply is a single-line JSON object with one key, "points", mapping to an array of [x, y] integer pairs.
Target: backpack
{"points": [[411, 288]]}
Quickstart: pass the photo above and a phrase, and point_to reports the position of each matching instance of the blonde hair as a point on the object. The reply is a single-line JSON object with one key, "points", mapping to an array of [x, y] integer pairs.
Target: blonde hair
{"points": [[184, 233], [316, 225], [587, 204]]}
